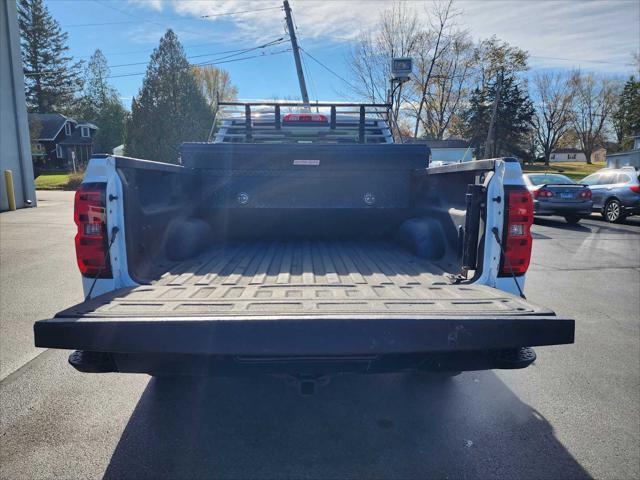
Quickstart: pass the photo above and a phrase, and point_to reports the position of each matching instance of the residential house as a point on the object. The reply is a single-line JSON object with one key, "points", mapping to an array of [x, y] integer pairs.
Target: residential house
{"points": [[576, 155], [628, 158], [63, 143], [567, 155]]}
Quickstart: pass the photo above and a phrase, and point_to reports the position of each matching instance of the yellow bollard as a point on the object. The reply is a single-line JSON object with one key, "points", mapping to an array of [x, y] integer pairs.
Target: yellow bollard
{"points": [[11, 196]]}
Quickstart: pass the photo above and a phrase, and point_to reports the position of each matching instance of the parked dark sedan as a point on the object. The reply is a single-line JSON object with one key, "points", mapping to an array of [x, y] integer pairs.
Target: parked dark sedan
{"points": [[616, 192], [555, 194]]}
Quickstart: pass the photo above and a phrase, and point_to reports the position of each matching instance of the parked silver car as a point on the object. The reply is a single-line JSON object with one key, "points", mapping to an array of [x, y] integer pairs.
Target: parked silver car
{"points": [[555, 194], [615, 192]]}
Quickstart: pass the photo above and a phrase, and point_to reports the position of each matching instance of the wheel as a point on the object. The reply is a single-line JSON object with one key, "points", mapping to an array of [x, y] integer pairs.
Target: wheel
{"points": [[572, 219], [613, 211]]}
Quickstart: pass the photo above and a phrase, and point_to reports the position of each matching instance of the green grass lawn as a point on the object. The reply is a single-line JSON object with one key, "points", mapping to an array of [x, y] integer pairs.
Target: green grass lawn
{"points": [[58, 181], [573, 170]]}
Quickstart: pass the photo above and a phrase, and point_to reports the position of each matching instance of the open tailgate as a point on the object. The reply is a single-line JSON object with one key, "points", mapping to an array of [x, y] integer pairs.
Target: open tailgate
{"points": [[296, 320]]}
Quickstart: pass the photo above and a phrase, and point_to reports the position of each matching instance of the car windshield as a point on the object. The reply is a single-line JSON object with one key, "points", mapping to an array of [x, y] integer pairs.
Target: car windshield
{"points": [[550, 178]]}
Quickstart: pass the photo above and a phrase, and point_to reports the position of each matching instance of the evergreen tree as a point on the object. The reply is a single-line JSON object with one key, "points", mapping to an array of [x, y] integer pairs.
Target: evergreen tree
{"points": [[101, 105], [169, 109], [51, 78], [512, 124], [626, 119]]}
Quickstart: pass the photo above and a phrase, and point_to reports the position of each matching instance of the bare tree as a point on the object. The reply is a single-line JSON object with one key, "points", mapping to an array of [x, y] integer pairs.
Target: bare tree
{"points": [[396, 35], [449, 86], [593, 103], [553, 117], [442, 65], [434, 42]]}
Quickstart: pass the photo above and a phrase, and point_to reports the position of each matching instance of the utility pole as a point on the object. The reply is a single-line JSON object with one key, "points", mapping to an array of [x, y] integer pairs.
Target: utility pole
{"points": [[296, 52], [488, 146]]}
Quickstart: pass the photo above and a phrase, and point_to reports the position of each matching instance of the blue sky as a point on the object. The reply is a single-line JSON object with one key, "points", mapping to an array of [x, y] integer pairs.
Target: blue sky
{"points": [[598, 36]]}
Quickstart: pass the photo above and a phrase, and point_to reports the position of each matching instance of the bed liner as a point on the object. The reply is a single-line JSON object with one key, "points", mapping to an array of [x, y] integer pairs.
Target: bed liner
{"points": [[286, 278]]}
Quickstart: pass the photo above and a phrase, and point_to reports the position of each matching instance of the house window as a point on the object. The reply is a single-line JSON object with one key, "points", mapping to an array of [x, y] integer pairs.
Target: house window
{"points": [[571, 156], [552, 157], [67, 129], [84, 131], [58, 151]]}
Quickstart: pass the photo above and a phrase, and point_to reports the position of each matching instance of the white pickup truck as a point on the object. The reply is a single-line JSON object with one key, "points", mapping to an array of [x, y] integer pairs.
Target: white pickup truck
{"points": [[305, 244]]}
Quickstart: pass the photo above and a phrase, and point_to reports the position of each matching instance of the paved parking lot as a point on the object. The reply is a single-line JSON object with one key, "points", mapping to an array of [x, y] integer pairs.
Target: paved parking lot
{"points": [[573, 414]]}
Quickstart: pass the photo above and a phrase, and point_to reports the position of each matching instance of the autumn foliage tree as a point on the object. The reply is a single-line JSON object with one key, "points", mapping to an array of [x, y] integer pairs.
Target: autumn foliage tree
{"points": [[214, 84]]}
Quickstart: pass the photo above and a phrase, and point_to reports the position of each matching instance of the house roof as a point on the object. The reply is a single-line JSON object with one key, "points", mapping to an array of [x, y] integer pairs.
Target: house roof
{"points": [[76, 138], [82, 123], [51, 123], [626, 152], [567, 150]]}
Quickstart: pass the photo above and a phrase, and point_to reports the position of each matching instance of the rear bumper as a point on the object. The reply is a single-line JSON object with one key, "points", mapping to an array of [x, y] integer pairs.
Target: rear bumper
{"points": [[134, 342], [301, 366], [557, 208]]}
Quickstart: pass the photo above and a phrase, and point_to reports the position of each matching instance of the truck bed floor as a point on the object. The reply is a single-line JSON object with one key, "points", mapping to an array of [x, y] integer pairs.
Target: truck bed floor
{"points": [[303, 278]]}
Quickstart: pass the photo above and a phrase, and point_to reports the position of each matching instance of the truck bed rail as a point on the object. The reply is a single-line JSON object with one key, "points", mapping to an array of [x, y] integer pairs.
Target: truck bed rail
{"points": [[263, 121]]}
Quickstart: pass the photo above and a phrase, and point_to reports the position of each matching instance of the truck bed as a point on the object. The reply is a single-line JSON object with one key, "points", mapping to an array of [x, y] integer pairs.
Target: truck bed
{"points": [[284, 278]]}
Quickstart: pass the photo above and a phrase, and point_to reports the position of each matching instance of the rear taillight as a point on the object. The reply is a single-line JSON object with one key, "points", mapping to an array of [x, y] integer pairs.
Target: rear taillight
{"points": [[543, 193], [517, 232], [635, 188], [585, 194], [304, 117], [91, 239]]}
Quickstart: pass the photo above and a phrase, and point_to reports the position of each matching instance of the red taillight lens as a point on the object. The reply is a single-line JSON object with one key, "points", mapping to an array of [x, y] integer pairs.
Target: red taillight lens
{"points": [[91, 240], [543, 193], [304, 117], [585, 194], [635, 188], [517, 232]]}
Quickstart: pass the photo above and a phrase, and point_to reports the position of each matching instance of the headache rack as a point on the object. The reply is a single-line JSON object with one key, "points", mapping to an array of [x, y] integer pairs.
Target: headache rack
{"points": [[266, 122]]}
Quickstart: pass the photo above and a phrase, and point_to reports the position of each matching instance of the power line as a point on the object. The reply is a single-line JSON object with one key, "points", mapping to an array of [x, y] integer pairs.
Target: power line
{"points": [[173, 18], [74, 25], [306, 69], [328, 69], [209, 63], [142, 19], [581, 60], [232, 52], [241, 12]]}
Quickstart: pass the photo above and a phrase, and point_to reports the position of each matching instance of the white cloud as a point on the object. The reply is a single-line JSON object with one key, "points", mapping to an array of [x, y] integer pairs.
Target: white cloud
{"points": [[593, 35]]}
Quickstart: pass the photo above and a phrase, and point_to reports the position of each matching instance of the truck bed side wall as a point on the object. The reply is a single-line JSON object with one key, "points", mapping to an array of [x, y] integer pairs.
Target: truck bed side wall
{"points": [[332, 198]]}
